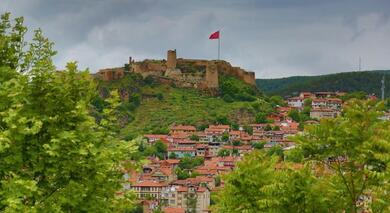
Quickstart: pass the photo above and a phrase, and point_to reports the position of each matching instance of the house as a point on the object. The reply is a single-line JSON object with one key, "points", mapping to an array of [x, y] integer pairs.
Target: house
{"points": [[213, 148], [319, 103], [296, 102], [153, 138], [180, 129], [334, 103], [234, 135], [182, 151], [385, 116], [306, 95], [258, 127], [164, 174], [148, 189], [196, 198], [225, 128], [320, 113]]}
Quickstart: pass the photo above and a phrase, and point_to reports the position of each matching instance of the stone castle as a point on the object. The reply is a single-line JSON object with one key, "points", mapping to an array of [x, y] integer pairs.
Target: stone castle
{"points": [[190, 73]]}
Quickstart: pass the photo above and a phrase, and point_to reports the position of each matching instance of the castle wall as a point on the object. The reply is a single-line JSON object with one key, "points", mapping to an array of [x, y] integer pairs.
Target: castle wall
{"points": [[201, 74], [111, 74]]}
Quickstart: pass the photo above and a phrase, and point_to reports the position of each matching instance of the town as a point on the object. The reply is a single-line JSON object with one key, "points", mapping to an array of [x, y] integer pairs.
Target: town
{"points": [[182, 178]]}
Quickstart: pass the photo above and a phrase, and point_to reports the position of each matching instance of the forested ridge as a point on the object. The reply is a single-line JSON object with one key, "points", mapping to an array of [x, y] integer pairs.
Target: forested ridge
{"points": [[366, 81]]}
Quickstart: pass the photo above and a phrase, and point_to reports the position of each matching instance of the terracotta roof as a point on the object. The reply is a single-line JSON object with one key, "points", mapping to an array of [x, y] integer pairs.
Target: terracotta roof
{"points": [[294, 98], [148, 183], [186, 149], [155, 136], [173, 161], [235, 132], [219, 126], [323, 110], [184, 128], [173, 210], [258, 125]]}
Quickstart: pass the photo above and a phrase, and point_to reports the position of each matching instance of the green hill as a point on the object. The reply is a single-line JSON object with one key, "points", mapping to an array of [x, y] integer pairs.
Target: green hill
{"points": [[153, 106], [367, 81]]}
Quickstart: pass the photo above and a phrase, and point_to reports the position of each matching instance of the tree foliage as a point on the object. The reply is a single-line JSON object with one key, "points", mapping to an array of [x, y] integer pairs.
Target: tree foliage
{"points": [[53, 155], [339, 165]]}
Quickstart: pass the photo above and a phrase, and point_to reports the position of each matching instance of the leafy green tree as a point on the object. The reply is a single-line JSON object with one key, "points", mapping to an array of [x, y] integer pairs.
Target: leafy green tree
{"points": [[355, 147], [225, 137], [172, 155], [277, 101], [223, 153], [188, 162], [258, 145], [54, 157], [235, 126], [236, 143], [268, 128], [261, 184], [276, 150], [248, 129], [354, 95], [194, 137], [158, 149], [295, 115], [276, 128], [261, 118]]}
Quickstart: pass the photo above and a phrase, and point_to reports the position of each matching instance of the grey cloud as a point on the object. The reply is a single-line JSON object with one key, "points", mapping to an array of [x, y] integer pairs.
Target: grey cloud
{"points": [[274, 38]]}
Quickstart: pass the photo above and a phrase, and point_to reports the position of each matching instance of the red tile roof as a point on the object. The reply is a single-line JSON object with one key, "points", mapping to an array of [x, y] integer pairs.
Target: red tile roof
{"points": [[173, 210], [148, 183], [184, 128]]}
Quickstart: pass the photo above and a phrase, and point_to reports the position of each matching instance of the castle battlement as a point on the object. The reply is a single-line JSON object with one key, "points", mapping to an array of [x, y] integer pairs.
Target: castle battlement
{"points": [[195, 73]]}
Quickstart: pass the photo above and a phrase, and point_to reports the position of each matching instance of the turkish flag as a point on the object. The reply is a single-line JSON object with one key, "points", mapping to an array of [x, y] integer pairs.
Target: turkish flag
{"points": [[214, 35]]}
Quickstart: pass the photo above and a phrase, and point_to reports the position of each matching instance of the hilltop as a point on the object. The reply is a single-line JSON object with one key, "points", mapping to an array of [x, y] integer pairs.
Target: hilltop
{"points": [[156, 94], [366, 81]]}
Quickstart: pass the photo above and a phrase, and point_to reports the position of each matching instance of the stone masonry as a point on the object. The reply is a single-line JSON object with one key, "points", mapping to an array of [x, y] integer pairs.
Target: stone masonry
{"points": [[192, 73]]}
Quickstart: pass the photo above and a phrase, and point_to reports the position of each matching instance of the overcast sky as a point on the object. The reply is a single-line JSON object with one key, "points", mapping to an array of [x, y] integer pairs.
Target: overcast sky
{"points": [[274, 38]]}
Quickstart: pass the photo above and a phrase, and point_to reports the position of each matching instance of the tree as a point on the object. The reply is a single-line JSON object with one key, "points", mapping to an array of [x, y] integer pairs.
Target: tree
{"points": [[277, 101], [188, 162], [50, 146], [258, 145], [261, 118], [223, 153], [225, 137], [342, 163], [268, 128], [295, 115], [158, 149], [236, 143], [194, 137], [261, 184], [172, 155], [355, 147]]}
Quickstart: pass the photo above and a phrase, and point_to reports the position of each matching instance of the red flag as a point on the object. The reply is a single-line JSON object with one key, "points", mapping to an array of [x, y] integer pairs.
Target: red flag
{"points": [[214, 35]]}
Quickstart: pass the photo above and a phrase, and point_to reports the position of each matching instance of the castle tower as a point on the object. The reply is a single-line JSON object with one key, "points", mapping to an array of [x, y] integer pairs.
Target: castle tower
{"points": [[211, 75], [171, 59]]}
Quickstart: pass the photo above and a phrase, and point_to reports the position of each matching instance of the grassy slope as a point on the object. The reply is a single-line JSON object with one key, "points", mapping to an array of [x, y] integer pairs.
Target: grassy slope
{"points": [[368, 81], [187, 106], [161, 105]]}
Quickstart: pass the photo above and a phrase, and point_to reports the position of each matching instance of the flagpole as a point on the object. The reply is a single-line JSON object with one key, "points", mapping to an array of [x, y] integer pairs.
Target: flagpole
{"points": [[219, 45]]}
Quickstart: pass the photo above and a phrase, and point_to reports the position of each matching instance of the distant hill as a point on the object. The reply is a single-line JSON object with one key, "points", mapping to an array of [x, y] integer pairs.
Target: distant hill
{"points": [[367, 81]]}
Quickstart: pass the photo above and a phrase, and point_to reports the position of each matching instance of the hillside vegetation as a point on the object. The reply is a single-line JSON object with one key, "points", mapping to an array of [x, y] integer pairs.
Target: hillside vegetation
{"points": [[367, 81], [152, 107]]}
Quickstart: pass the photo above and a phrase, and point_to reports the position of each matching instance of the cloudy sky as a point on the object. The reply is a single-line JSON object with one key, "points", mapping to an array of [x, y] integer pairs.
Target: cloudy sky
{"points": [[274, 38]]}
